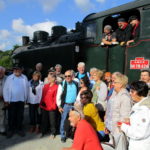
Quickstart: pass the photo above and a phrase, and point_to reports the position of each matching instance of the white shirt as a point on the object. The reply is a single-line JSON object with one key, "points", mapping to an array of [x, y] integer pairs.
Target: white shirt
{"points": [[35, 99], [15, 88]]}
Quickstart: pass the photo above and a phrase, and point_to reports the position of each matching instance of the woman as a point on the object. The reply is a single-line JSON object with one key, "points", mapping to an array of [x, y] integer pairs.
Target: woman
{"points": [[99, 91], [34, 98], [118, 106], [48, 106], [91, 113], [139, 129], [84, 85]]}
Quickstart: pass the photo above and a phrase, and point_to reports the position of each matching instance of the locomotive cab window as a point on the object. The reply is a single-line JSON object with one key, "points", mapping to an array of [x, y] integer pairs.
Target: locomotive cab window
{"points": [[124, 26], [90, 32]]}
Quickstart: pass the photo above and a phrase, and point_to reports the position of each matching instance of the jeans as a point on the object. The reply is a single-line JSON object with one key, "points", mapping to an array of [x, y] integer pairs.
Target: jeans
{"points": [[64, 115]]}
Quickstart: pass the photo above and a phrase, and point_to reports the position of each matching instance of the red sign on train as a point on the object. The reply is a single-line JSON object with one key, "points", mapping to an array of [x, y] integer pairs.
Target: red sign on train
{"points": [[139, 63]]}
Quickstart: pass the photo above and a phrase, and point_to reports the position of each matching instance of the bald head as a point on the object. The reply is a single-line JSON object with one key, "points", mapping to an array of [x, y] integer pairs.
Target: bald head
{"points": [[38, 66]]}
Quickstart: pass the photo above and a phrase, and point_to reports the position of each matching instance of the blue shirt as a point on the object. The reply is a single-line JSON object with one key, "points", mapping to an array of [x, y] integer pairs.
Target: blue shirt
{"points": [[18, 92], [81, 76], [71, 93]]}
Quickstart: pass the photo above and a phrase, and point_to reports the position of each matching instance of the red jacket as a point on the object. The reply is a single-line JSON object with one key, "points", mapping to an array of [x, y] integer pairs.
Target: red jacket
{"points": [[48, 101]]}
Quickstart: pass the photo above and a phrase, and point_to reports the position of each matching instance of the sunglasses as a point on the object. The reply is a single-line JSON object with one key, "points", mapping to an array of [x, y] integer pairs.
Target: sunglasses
{"points": [[73, 109], [83, 97], [81, 83], [67, 76]]}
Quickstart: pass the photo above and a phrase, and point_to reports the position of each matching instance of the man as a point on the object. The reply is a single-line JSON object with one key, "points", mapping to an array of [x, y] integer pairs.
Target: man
{"points": [[15, 94], [66, 96], [108, 37], [81, 71], [85, 137], [39, 67], [145, 76], [133, 20], [123, 33], [2, 112]]}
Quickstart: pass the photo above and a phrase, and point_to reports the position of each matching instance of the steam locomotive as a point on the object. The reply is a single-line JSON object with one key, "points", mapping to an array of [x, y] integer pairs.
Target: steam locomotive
{"points": [[83, 44]]}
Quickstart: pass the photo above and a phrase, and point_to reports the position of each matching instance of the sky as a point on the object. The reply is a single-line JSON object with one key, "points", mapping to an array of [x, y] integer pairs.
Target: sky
{"points": [[22, 17]]}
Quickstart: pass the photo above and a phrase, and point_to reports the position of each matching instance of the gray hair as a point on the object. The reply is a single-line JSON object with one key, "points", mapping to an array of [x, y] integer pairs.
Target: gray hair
{"points": [[73, 72], [58, 65], [78, 110], [93, 69], [2, 69], [108, 27]]}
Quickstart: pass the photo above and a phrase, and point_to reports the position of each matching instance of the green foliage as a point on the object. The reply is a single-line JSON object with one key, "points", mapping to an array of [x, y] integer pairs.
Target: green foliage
{"points": [[5, 59]]}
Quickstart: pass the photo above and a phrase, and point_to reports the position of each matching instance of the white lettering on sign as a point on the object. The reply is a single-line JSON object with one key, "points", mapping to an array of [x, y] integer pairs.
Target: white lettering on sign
{"points": [[139, 63]]}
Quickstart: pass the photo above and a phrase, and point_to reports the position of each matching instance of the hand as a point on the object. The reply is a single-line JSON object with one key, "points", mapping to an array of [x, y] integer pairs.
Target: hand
{"points": [[98, 88], [61, 110]]}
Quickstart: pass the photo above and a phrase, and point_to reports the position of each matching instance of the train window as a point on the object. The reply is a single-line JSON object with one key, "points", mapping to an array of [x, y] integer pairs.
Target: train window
{"points": [[90, 31], [121, 35]]}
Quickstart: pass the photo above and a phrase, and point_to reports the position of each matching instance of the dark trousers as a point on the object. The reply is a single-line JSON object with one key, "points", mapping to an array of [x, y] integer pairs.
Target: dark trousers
{"points": [[15, 116], [48, 121], [34, 114]]}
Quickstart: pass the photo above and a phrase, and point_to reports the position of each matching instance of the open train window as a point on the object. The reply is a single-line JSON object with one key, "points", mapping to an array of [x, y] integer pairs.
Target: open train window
{"points": [[112, 19]]}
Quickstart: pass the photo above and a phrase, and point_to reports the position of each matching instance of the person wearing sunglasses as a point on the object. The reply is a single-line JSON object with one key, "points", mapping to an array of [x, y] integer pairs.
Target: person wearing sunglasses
{"points": [[85, 137], [84, 85], [91, 113], [66, 96]]}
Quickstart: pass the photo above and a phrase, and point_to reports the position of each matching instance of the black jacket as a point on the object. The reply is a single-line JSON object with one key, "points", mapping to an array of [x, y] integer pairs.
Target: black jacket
{"points": [[124, 35]]}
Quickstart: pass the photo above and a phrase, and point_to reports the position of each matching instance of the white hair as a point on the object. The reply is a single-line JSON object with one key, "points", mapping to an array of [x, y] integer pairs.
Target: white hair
{"points": [[81, 64]]}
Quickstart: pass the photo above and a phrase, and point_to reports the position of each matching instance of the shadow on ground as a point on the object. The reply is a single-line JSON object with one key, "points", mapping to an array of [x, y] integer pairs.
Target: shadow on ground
{"points": [[32, 141]]}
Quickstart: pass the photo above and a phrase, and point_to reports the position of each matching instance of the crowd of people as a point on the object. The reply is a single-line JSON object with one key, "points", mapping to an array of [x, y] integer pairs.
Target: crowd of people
{"points": [[102, 105], [126, 33]]}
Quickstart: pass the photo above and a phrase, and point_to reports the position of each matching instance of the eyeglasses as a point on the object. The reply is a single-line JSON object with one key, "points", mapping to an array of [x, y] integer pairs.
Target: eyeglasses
{"points": [[81, 83], [67, 76]]}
